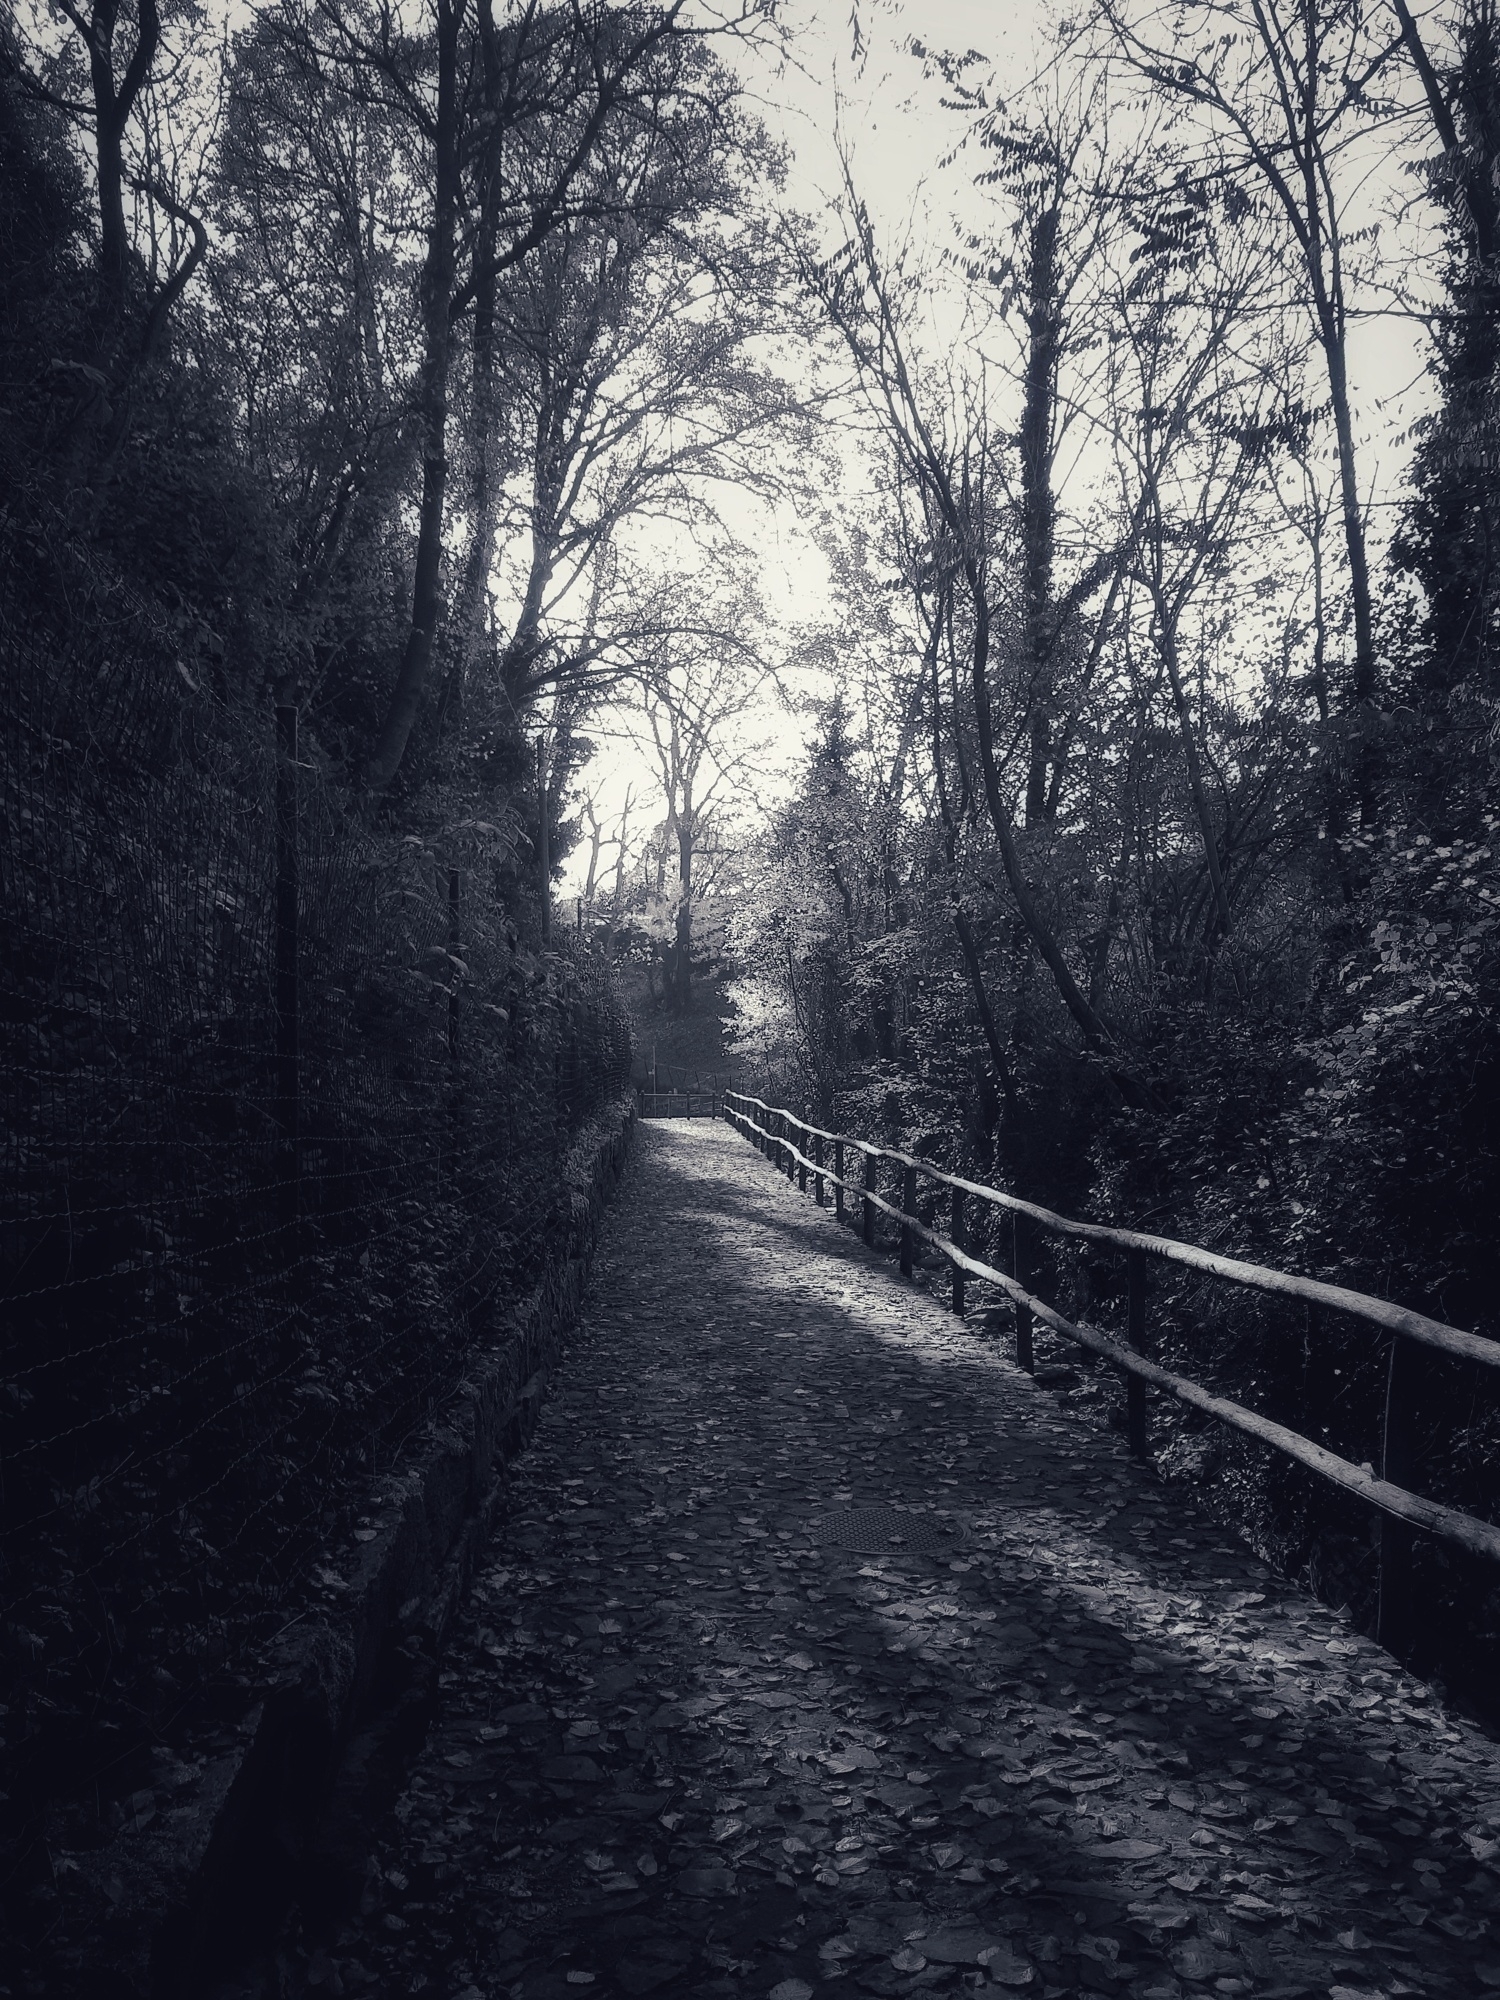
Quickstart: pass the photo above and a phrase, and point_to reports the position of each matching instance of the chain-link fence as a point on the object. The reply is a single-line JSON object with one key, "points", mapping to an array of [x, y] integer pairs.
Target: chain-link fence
{"points": [[285, 1101]]}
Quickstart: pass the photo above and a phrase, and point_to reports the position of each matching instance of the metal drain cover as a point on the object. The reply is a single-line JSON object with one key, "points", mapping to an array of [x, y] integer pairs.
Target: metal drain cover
{"points": [[874, 1531]]}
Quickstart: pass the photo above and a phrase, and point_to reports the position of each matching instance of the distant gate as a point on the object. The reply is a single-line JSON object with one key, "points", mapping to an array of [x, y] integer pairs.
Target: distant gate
{"points": [[678, 1103]]}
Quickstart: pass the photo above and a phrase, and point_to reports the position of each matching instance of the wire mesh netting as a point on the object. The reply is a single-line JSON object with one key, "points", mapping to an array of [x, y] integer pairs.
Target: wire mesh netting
{"points": [[286, 1106], [883, 1530]]}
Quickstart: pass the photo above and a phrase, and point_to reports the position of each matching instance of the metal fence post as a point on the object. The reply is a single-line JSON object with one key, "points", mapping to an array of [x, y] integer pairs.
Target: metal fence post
{"points": [[453, 970], [956, 1237], [1135, 1388], [288, 1037], [867, 1205], [1394, 1619], [908, 1205]]}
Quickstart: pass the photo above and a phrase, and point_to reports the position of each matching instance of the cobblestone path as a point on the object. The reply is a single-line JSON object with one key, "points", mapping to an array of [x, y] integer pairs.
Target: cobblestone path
{"points": [[1089, 1745]]}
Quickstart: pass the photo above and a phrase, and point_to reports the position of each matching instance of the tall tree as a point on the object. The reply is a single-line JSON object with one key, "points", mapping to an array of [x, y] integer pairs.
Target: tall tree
{"points": [[1286, 91], [630, 368], [600, 64], [1052, 170], [694, 701], [948, 467], [1451, 540]]}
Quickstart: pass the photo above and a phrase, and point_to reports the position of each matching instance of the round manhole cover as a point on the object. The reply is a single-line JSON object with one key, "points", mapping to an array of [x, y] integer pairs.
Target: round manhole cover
{"points": [[875, 1531]]}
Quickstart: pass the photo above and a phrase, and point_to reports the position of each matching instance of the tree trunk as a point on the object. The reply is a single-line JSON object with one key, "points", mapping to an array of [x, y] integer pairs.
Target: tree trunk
{"points": [[544, 839], [438, 274], [682, 982], [114, 242], [112, 107], [1038, 506], [1167, 647], [1094, 1031], [1452, 539], [1354, 520], [964, 930], [469, 610]]}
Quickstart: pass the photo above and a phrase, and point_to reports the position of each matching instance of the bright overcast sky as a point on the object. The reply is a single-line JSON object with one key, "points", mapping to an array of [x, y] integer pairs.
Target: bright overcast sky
{"points": [[897, 134]]}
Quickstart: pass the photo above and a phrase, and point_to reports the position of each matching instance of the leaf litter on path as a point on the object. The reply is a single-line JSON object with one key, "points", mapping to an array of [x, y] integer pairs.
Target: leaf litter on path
{"points": [[683, 1747]]}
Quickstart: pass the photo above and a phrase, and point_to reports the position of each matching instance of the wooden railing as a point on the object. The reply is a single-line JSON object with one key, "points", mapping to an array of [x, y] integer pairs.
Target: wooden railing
{"points": [[677, 1103], [802, 1150]]}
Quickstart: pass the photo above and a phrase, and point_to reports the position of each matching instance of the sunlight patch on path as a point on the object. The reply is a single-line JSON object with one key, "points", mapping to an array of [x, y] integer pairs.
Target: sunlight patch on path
{"points": [[687, 1747]]}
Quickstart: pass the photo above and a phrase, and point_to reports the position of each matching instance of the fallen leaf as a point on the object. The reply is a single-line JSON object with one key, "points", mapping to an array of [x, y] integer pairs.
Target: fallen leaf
{"points": [[1005, 1968], [1125, 1850], [572, 1770], [908, 1960], [1160, 1916], [1254, 1908], [706, 1882], [855, 1758], [1465, 1929], [1195, 1960], [952, 1946]]}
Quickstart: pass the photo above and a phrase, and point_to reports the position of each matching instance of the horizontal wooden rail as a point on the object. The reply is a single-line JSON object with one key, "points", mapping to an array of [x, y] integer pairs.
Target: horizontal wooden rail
{"points": [[1394, 1501], [1257, 1277]]}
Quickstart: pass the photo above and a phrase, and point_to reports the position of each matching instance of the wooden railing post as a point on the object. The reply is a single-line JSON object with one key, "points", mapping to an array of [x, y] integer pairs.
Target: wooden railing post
{"points": [[1394, 1619], [802, 1163], [1135, 1388], [1317, 1378], [1411, 1333], [956, 1238], [1021, 1271]]}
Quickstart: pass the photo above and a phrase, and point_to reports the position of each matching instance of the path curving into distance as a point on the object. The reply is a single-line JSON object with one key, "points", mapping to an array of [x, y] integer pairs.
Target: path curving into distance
{"points": [[1087, 1745]]}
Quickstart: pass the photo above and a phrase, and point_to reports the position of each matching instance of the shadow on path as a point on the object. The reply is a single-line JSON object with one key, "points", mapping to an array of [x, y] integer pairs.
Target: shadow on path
{"points": [[685, 1746]]}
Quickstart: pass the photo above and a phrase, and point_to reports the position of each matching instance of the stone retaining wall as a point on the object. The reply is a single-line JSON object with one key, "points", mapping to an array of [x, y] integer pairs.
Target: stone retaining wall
{"points": [[167, 1900]]}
